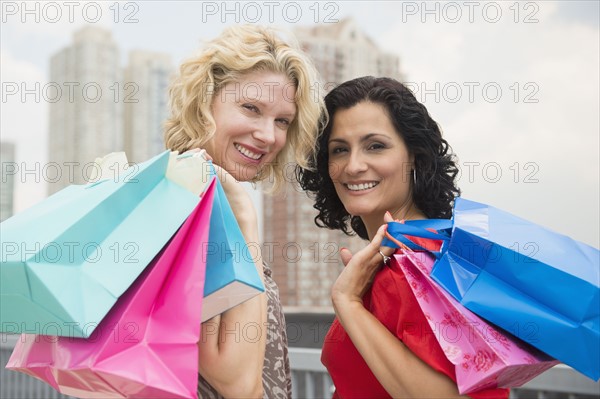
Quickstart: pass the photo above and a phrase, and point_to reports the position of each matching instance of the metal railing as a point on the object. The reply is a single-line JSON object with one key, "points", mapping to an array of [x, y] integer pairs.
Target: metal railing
{"points": [[15, 385], [310, 380], [309, 376]]}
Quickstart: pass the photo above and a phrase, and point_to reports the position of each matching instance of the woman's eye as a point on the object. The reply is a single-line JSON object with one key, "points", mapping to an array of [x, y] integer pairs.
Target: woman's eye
{"points": [[283, 122], [337, 150], [376, 146], [250, 107]]}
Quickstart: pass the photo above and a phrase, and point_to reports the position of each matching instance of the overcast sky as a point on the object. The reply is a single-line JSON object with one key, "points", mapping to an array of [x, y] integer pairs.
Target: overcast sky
{"points": [[514, 85]]}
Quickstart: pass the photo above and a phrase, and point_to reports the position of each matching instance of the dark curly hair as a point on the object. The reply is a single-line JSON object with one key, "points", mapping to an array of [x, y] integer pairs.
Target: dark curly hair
{"points": [[434, 161]]}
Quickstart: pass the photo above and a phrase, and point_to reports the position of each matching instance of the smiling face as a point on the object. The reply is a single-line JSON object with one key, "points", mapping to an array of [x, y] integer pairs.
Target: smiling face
{"points": [[369, 163], [252, 117]]}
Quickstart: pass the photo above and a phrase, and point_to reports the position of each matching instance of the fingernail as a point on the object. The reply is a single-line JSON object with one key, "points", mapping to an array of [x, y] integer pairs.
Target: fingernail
{"points": [[388, 213], [342, 248]]}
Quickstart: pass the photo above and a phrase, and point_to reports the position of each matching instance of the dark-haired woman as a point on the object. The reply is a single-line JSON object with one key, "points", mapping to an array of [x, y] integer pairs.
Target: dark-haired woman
{"points": [[381, 157]]}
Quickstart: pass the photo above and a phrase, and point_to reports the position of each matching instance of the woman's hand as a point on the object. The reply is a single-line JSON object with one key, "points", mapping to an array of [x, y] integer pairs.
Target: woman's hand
{"points": [[239, 199], [231, 365], [360, 270], [402, 373]]}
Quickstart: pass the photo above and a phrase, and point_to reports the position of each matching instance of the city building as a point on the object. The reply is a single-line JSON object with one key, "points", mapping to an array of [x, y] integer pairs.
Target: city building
{"points": [[305, 258], [145, 97], [7, 184], [342, 51], [104, 107], [85, 121]]}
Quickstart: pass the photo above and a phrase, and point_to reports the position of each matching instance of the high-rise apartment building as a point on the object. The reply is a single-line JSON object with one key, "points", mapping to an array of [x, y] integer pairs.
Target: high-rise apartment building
{"points": [[146, 81], [7, 183], [342, 51], [103, 107], [305, 258], [85, 121]]}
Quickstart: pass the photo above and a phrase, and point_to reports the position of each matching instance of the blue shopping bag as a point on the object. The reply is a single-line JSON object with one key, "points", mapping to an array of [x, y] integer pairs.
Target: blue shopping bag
{"points": [[67, 260], [541, 286], [231, 277]]}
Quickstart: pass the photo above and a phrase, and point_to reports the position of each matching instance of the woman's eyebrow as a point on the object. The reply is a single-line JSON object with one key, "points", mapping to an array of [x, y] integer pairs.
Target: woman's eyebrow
{"points": [[373, 135], [337, 141], [364, 138], [266, 104]]}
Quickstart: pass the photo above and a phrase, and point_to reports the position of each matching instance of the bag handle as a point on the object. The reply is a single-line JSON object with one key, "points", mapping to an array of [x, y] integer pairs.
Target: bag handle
{"points": [[418, 228], [436, 224]]}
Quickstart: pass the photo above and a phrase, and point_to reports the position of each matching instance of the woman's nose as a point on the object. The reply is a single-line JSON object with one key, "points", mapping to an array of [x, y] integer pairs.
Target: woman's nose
{"points": [[356, 163], [265, 132]]}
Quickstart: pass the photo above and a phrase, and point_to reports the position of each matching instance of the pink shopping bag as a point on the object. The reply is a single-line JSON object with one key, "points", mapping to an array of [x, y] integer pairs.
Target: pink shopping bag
{"points": [[485, 357], [146, 347]]}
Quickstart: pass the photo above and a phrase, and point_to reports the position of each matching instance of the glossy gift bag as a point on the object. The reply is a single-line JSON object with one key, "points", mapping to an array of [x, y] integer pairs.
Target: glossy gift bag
{"points": [[484, 356], [231, 277], [67, 260], [540, 286], [146, 347]]}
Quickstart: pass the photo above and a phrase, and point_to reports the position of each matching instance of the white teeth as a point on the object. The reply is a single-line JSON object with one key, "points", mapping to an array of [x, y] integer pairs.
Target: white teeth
{"points": [[362, 186], [247, 153]]}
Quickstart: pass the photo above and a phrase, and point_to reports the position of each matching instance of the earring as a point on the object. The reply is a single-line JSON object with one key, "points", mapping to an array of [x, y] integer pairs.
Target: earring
{"points": [[414, 177]]}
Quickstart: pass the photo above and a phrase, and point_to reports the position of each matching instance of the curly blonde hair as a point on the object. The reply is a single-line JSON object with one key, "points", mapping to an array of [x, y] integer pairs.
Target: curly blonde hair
{"points": [[238, 51]]}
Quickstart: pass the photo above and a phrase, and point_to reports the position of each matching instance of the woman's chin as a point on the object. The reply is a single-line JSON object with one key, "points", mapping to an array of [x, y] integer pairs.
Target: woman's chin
{"points": [[362, 212]]}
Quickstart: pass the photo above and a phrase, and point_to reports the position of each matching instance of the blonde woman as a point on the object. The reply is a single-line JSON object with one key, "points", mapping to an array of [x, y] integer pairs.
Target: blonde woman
{"points": [[248, 99]]}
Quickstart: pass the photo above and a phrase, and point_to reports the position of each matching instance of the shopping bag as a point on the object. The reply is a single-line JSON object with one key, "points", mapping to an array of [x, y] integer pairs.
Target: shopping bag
{"points": [[231, 277], [191, 171], [66, 260], [540, 286], [146, 347], [484, 356]]}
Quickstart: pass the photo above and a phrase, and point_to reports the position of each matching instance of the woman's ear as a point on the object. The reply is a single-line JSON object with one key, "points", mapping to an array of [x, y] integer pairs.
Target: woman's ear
{"points": [[410, 166]]}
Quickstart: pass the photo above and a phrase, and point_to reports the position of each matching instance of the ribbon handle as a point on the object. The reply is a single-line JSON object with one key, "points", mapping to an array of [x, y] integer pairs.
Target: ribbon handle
{"points": [[397, 231]]}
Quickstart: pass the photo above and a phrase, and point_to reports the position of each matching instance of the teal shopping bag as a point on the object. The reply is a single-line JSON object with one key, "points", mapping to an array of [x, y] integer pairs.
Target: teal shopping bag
{"points": [[65, 261], [231, 276]]}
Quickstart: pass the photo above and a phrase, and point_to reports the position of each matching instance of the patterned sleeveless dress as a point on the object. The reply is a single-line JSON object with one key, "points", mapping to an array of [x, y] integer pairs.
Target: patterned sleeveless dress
{"points": [[277, 377]]}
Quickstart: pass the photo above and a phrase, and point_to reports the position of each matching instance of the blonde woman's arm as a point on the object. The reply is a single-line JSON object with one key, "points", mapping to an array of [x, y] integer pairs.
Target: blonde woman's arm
{"points": [[228, 359]]}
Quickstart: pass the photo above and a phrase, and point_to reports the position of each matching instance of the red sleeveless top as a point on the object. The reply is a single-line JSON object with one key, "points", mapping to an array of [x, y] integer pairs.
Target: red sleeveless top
{"points": [[396, 307]]}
